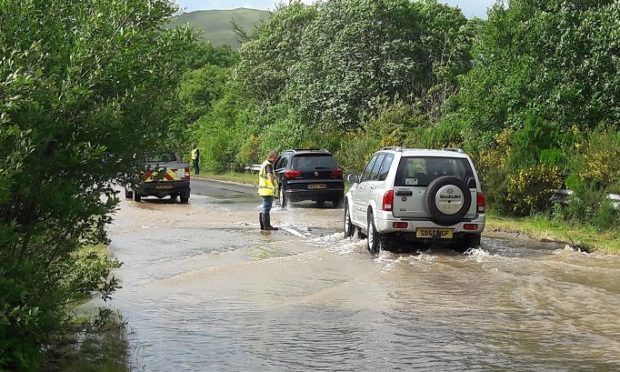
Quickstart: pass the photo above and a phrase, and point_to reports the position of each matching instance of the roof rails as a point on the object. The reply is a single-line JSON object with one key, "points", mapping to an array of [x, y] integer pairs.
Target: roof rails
{"points": [[393, 148], [298, 150], [460, 151]]}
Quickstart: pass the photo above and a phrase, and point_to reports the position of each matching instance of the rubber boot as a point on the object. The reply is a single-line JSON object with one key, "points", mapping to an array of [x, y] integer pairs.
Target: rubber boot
{"points": [[260, 219], [267, 222]]}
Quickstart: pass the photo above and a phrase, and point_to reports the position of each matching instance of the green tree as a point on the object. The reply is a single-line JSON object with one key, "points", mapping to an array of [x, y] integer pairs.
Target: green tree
{"points": [[200, 89], [84, 86], [359, 55], [264, 70], [552, 59]]}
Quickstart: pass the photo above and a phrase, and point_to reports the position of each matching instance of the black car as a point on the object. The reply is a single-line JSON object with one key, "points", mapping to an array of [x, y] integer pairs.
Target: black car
{"points": [[309, 174]]}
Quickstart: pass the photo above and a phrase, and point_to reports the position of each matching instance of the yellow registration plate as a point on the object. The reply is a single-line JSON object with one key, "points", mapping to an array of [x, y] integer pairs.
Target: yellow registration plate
{"points": [[317, 186], [434, 233]]}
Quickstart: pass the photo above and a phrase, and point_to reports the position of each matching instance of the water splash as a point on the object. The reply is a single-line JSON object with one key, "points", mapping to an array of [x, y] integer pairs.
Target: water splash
{"points": [[478, 255]]}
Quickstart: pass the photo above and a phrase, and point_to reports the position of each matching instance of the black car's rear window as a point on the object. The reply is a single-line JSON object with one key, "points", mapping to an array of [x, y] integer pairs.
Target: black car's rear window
{"points": [[312, 162], [420, 171]]}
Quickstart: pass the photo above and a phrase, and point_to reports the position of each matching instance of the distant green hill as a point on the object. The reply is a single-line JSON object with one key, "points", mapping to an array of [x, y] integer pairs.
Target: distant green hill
{"points": [[217, 25]]}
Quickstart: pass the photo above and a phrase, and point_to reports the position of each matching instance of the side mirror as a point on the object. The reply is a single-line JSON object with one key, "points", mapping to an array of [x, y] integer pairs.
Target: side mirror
{"points": [[353, 178]]}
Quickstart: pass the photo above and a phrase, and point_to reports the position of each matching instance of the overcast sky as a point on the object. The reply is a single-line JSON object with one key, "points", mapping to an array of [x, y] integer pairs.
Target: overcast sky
{"points": [[471, 8]]}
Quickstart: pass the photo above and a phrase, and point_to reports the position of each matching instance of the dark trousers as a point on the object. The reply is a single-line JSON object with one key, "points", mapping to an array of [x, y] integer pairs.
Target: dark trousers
{"points": [[196, 167]]}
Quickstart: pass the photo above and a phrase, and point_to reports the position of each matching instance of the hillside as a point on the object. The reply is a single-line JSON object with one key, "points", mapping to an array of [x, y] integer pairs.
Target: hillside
{"points": [[217, 25]]}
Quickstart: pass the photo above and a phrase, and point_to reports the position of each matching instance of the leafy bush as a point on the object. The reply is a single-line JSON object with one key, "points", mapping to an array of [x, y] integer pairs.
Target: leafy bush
{"points": [[588, 205], [594, 172], [607, 217]]}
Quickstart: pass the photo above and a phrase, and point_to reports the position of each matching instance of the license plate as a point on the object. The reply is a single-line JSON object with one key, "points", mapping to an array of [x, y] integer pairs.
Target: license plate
{"points": [[315, 186], [163, 187], [434, 233]]}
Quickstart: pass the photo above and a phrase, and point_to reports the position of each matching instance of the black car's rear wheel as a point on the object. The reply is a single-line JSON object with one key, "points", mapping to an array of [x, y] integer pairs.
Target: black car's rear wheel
{"points": [[338, 201], [282, 198]]}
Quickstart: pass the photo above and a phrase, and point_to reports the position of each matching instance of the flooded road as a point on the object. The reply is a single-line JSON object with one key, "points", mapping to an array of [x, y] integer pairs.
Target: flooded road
{"points": [[204, 289]]}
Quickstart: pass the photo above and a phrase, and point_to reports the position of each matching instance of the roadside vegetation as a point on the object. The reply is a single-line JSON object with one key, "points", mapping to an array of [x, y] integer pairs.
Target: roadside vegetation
{"points": [[531, 93]]}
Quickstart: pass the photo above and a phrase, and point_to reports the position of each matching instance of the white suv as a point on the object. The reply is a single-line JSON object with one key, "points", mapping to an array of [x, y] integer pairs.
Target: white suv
{"points": [[417, 195]]}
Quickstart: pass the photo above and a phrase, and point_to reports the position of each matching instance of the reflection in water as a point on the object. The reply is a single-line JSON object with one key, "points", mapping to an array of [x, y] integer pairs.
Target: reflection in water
{"points": [[203, 289]]}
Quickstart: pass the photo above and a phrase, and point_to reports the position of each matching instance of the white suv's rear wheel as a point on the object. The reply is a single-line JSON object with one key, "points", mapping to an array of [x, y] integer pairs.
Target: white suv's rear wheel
{"points": [[348, 225], [376, 242]]}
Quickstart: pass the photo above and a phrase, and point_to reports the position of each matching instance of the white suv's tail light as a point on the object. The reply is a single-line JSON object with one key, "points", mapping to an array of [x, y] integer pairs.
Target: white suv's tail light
{"points": [[481, 202], [388, 200]]}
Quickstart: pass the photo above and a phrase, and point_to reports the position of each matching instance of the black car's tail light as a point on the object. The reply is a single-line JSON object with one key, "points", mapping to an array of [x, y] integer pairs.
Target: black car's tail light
{"points": [[291, 174]]}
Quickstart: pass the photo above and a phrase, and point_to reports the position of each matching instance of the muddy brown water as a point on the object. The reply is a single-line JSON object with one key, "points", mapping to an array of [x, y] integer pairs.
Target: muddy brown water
{"points": [[203, 289]]}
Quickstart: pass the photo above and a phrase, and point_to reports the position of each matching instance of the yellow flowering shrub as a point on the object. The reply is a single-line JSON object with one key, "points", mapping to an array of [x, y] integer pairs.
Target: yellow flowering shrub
{"points": [[531, 189]]}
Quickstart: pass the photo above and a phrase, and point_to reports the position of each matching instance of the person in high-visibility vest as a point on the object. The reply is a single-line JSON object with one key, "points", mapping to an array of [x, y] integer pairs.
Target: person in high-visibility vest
{"points": [[267, 189], [196, 159]]}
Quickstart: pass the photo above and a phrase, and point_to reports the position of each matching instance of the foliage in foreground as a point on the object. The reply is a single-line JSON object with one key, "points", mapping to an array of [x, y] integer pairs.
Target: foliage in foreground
{"points": [[84, 85]]}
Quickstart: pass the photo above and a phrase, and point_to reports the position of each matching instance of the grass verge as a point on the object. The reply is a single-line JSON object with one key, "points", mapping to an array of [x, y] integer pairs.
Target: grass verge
{"points": [[544, 229], [246, 178]]}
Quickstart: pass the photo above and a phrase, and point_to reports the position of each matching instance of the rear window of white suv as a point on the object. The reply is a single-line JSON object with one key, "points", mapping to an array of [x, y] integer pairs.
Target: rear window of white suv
{"points": [[421, 171]]}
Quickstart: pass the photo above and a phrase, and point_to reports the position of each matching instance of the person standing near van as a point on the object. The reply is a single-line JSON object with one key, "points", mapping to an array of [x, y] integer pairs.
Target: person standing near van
{"points": [[267, 189], [196, 159]]}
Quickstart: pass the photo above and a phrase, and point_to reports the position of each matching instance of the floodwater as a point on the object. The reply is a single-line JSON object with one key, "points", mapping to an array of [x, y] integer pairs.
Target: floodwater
{"points": [[204, 289]]}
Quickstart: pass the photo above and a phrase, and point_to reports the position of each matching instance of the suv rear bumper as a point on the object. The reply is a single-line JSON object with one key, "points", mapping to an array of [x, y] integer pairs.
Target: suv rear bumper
{"points": [[161, 189], [384, 223]]}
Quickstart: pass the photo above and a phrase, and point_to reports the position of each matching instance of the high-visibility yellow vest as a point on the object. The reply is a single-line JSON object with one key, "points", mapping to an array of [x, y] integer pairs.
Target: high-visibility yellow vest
{"points": [[265, 187], [194, 154]]}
